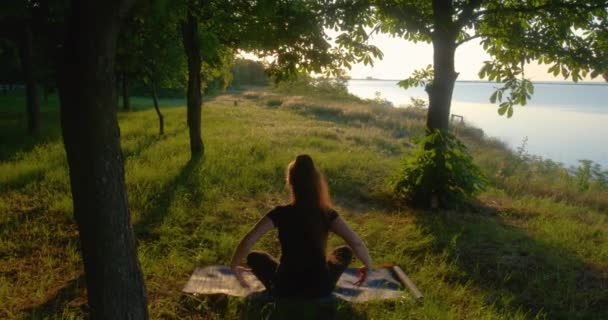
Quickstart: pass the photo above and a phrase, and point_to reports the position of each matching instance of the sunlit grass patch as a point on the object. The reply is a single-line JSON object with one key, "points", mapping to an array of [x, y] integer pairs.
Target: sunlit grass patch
{"points": [[522, 252]]}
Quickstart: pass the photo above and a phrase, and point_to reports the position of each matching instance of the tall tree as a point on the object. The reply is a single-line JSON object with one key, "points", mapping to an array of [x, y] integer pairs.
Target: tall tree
{"points": [[291, 33], [192, 48], [162, 58], [564, 34], [91, 137], [128, 64], [26, 56], [16, 23]]}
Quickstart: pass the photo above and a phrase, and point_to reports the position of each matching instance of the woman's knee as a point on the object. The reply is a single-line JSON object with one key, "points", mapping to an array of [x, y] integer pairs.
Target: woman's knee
{"points": [[343, 254], [256, 258]]}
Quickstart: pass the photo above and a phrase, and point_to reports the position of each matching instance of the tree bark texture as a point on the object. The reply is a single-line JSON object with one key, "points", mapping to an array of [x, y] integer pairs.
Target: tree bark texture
{"points": [[444, 49], [161, 121], [32, 100], [88, 98], [193, 53], [126, 103]]}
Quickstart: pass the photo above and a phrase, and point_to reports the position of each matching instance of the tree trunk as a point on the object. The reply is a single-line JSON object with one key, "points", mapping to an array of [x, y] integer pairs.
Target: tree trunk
{"points": [[90, 130], [444, 49], [160, 115], [126, 104], [193, 53], [32, 103]]}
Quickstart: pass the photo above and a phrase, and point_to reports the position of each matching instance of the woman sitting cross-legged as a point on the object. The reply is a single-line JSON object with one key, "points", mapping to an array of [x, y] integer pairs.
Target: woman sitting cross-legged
{"points": [[304, 270]]}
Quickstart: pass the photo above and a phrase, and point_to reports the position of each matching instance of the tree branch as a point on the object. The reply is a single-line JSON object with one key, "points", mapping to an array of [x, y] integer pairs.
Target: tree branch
{"points": [[479, 35], [538, 8]]}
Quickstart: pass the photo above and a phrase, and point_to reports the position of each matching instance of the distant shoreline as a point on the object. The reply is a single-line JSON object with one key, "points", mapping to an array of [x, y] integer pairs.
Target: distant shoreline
{"points": [[559, 83]]}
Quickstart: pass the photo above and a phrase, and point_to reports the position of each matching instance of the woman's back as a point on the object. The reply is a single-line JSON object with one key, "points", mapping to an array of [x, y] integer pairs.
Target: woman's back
{"points": [[303, 233]]}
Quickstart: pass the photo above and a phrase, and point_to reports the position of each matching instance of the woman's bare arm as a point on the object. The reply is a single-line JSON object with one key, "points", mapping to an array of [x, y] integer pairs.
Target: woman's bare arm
{"points": [[263, 226], [340, 228]]}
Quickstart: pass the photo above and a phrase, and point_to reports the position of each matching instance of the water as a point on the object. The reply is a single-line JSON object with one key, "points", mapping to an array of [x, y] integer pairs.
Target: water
{"points": [[562, 122]]}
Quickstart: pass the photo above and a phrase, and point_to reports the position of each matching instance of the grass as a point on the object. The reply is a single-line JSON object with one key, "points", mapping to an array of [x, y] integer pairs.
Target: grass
{"points": [[534, 246]]}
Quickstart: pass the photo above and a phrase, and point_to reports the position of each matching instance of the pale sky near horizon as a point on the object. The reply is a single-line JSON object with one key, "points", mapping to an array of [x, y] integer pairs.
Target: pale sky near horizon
{"points": [[401, 58]]}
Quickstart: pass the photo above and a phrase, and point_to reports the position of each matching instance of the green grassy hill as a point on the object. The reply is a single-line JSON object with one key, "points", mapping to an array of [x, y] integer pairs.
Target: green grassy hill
{"points": [[535, 245]]}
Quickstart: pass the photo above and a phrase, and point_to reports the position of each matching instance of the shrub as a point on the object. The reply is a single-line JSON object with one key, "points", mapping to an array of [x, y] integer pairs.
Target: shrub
{"points": [[273, 103], [440, 172], [333, 88]]}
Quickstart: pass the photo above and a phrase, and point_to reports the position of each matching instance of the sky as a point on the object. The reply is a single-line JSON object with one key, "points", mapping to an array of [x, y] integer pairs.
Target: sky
{"points": [[401, 58]]}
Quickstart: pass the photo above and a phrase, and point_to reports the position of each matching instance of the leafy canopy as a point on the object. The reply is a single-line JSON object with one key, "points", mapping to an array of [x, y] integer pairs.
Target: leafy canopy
{"points": [[569, 36]]}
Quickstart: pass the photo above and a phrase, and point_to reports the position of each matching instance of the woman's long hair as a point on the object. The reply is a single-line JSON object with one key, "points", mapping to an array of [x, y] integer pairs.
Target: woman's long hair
{"points": [[308, 186]]}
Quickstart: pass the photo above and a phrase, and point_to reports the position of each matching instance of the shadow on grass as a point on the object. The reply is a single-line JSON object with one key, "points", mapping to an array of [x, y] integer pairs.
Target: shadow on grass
{"points": [[221, 307], [149, 141], [58, 300], [14, 138], [186, 177], [35, 175], [19, 218], [143, 103], [519, 271]]}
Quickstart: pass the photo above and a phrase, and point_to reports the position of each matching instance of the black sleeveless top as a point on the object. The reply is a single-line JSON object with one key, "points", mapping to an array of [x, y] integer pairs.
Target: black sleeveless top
{"points": [[303, 236]]}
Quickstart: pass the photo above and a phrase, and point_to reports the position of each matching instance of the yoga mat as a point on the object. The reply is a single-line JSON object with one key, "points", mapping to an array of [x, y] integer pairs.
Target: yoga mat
{"points": [[383, 283]]}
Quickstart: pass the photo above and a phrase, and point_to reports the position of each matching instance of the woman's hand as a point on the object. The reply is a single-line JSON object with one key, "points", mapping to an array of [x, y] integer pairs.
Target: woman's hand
{"points": [[363, 271], [238, 273]]}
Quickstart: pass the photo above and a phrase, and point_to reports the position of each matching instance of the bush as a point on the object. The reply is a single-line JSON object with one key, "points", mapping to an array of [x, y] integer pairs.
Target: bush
{"points": [[274, 103], [333, 88], [440, 172]]}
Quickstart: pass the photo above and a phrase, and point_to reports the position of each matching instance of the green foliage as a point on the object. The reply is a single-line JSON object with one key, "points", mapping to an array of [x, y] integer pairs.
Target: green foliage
{"points": [[439, 169], [515, 34], [522, 174], [589, 175], [248, 72], [420, 78], [569, 36], [518, 90], [322, 86], [149, 52], [516, 161], [292, 35], [216, 73]]}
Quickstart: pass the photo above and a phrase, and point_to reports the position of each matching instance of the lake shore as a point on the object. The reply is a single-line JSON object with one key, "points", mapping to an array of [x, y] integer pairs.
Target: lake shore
{"points": [[562, 122]]}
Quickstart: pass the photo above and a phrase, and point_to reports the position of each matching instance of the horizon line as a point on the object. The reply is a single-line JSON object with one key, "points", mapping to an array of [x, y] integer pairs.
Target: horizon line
{"points": [[556, 82]]}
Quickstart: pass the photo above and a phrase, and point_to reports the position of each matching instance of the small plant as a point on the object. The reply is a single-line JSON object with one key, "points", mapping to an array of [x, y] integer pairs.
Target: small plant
{"points": [[418, 103], [440, 172], [380, 100], [514, 162], [583, 175]]}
